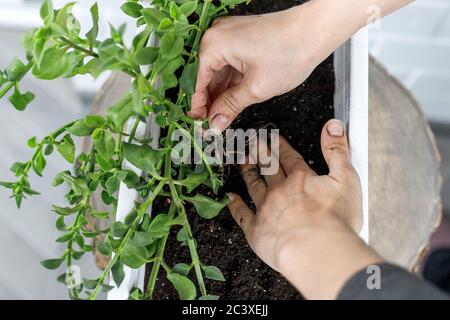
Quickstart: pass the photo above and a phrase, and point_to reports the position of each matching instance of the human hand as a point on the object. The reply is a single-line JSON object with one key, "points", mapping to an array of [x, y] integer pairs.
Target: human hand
{"points": [[305, 223], [248, 59]]}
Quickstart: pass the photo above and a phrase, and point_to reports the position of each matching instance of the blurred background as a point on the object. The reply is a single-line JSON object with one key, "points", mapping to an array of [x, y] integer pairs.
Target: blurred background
{"points": [[413, 44]]}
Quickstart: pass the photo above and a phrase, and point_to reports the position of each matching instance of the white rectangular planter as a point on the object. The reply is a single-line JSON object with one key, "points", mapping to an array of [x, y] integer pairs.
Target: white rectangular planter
{"points": [[351, 103], [351, 106]]}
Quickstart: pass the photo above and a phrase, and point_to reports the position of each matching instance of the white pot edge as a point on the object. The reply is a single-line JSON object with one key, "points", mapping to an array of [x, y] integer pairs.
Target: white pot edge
{"points": [[352, 106]]}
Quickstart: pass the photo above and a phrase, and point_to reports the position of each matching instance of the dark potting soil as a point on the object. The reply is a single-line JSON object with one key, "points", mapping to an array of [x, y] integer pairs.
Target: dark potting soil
{"points": [[300, 116]]}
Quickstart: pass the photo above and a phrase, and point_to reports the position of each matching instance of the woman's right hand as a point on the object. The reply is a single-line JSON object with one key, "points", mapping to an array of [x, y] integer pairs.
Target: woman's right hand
{"points": [[249, 59]]}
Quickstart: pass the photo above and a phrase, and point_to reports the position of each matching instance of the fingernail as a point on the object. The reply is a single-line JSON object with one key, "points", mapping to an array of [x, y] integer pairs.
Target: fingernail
{"points": [[219, 122], [231, 196], [335, 128]]}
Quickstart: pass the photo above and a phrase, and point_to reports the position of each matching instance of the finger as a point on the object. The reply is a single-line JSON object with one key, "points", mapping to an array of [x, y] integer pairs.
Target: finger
{"points": [[291, 160], [268, 162], [236, 78], [335, 149], [220, 82], [255, 184], [241, 213], [209, 65], [199, 102], [230, 104]]}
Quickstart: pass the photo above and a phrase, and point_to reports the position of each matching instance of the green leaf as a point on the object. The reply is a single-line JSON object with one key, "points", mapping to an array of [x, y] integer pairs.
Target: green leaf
{"points": [[207, 207], [105, 164], [80, 129], [104, 248], [171, 46], [29, 191], [47, 11], [192, 181], [164, 66], [160, 225], [39, 164], [54, 64], [143, 238], [143, 157], [130, 217], [152, 16], [213, 273], [188, 78], [185, 288], [49, 149], [104, 143], [168, 80], [134, 256], [209, 297], [112, 184], [65, 211], [3, 78], [52, 264], [132, 9], [146, 56], [64, 238], [118, 229], [181, 268], [19, 100], [7, 185], [39, 45], [121, 111], [135, 294], [233, 3], [94, 121], [182, 235], [64, 17], [60, 224], [93, 33], [100, 214], [117, 273], [16, 70], [67, 148], [32, 142], [137, 99], [189, 8]]}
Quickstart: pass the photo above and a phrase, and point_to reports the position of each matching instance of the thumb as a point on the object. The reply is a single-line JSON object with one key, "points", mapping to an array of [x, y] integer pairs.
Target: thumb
{"points": [[230, 104], [335, 149]]}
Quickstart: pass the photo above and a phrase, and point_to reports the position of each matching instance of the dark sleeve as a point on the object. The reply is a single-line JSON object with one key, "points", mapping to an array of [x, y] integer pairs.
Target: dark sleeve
{"points": [[389, 282]]}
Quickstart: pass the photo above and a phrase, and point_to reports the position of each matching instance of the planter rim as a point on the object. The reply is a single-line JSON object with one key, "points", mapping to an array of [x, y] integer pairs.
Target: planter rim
{"points": [[351, 62]]}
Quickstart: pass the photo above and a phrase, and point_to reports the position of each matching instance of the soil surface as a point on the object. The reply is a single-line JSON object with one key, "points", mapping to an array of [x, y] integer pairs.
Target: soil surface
{"points": [[300, 116]]}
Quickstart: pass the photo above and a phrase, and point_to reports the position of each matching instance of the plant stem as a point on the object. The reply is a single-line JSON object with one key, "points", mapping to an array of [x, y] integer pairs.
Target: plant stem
{"points": [[142, 210], [157, 263], [11, 85], [190, 241], [80, 48], [198, 149], [133, 130]]}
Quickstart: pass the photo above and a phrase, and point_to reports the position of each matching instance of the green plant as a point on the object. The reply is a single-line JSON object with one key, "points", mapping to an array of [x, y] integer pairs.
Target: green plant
{"points": [[58, 50]]}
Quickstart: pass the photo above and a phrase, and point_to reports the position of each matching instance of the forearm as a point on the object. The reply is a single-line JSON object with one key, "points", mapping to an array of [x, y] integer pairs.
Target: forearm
{"points": [[319, 262], [332, 22]]}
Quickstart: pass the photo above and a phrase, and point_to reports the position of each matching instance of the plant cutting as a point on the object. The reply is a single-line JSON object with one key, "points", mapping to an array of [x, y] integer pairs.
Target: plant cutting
{"points": [[58, 50]]}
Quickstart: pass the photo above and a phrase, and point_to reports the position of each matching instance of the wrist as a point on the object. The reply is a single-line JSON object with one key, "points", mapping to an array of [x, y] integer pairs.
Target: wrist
{"points": [[319, 261]]}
